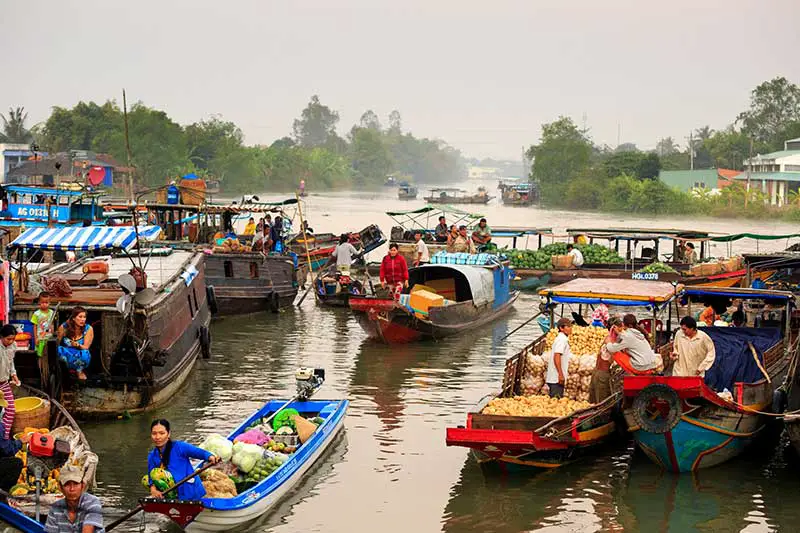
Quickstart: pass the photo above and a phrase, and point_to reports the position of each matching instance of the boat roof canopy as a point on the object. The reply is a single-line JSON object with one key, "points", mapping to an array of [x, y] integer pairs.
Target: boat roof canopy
{"points": [[479, 280], [421, 217], [48, 191], [736, 292], [85, 238], [623, 292], [756, 236], [513, 231], [640, 234]]}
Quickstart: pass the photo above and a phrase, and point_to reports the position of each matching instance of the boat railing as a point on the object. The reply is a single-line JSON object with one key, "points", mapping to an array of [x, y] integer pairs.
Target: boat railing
{"points": [[515, 366]]}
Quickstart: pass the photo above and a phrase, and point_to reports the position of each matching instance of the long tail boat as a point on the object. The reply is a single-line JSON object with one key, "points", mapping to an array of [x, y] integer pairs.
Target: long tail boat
{"points": [[475, 295], [688, 423], [150, 322], [538, 443]]}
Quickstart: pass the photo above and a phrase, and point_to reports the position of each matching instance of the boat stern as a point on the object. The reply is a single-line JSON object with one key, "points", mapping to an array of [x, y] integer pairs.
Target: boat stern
{"points": [[182, 513]]}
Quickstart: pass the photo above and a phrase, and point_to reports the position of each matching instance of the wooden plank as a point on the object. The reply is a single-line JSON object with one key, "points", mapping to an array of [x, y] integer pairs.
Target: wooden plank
{"points": [[619, 289]]}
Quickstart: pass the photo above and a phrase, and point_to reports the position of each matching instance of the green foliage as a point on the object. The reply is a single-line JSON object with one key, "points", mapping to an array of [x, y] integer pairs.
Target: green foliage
{"points": [[563, 153], [774, 112], [14, 128], [316, 125], [370, 156], [649, 166]]}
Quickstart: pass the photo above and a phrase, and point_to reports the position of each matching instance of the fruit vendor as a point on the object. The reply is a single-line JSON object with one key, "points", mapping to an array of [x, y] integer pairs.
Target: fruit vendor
{"points": [[482, 235], [10, 466], [556, 375], [632, 343], [394, 271], [441, 230], [693, 350], [79, 511], [576, 255], [168, 462], [343, 254]]}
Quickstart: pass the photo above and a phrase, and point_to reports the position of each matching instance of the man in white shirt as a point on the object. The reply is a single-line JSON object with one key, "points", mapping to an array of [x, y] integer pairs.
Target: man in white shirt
{"points": [[423, 256], [576, 255], [556, 375], [693, 351], [343, 254]]}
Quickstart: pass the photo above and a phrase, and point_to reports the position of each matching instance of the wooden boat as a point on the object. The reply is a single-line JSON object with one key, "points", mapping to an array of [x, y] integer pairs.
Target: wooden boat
{"points": [[144, 346], [327, 296], [232, 514], [520, 443], [537, 443], [457, 196], [478, 295], [249, 282], [27, 205], [406, 191], [70, 431], [682, 423], [521, 194]]}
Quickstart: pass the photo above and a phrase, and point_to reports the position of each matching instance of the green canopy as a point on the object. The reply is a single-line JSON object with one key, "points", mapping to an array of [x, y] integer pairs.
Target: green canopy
{"points": [[444, 208], [757, 236]]}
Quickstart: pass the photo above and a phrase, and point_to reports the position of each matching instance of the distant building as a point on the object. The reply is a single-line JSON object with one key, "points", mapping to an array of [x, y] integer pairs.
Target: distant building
{"points": [[712, 179], [776, 174], [11, 155], [79, 166], [482, 173]]}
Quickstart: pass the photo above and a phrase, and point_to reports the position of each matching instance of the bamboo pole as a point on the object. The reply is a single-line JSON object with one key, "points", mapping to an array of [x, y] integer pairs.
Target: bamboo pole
{"points": [[305, 242]]}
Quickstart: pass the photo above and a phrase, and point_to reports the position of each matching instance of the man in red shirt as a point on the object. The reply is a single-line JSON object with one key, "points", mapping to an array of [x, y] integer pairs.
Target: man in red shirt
{"points": [[394, 271]]}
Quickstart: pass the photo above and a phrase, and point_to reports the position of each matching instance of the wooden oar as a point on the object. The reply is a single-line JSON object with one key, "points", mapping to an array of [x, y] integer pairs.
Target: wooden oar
{"points": [[136, 510], [521, 326]]}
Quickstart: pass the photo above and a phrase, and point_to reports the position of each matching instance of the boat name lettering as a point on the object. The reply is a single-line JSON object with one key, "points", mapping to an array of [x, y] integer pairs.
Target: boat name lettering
{"points": [[651, 276], [40, 212]]}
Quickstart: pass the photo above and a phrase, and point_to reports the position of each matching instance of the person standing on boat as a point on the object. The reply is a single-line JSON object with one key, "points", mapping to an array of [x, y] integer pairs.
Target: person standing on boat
{"points": [[576, 255], [556, 375], [78, 511], [689, 255], [173, 456], [276, 236], [8, 374], [423, 256], [600, 385], [343, 254], [441, 233], [693, 350], [250, 228], [43, 320], [482, 235], [75, 338], [394, 271]]}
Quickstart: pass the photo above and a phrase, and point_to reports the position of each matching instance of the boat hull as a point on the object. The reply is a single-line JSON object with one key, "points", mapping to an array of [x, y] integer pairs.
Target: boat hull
{"points": [[384, 321], [245, 283]]}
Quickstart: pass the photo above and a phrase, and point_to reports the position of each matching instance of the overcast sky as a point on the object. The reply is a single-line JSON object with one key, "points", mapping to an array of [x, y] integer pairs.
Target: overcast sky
{"points": [[483, 76]]}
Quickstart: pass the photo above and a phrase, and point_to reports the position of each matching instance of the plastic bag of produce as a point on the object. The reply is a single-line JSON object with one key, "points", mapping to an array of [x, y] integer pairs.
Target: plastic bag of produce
{"points": [[253, 436], [219, 446], [530, 385], [245, 456]]}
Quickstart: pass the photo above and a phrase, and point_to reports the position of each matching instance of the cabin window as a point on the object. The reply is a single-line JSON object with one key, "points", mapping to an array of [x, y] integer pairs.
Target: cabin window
{"points": [[253, 270], [196, 305], [191, 308], [228, 269]]}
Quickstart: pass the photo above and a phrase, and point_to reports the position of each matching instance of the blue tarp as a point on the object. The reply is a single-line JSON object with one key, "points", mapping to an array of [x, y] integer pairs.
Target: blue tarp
{"points": [[734, 361], [80, 238]]}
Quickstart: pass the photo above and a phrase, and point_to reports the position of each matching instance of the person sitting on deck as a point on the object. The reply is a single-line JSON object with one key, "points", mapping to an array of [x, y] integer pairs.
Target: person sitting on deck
{"points": [[693, 351], [78, 510], [576, 255], [250, 228], [75, 338], [462, 243], [442, 233], [738, 319], [632, 339], [482, 235], [394, 271]]}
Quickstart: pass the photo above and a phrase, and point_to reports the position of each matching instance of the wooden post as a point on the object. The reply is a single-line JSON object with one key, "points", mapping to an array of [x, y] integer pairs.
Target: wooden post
{"points": [[128, 148], [305, 238]]}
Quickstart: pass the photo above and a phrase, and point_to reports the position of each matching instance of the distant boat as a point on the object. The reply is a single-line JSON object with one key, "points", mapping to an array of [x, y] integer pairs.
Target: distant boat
{"points": [[520, 194], [407, 191], [458, 196]]}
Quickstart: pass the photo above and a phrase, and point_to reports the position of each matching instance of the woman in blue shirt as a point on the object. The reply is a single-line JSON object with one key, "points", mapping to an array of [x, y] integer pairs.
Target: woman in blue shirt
{"points": [[174, 455]]}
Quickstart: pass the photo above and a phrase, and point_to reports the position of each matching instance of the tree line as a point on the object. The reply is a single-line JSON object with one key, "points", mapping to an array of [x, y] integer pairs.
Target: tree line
{"points": [[162, 149], [572, 171]]}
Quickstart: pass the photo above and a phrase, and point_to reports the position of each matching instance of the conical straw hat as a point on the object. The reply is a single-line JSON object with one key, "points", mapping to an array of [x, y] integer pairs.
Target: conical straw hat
{"points": [[305, 428]]}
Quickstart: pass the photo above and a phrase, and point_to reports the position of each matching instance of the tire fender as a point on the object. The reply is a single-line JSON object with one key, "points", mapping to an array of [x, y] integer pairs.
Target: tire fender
{"points": [[205, 342], [669, 409], [211, 297]]}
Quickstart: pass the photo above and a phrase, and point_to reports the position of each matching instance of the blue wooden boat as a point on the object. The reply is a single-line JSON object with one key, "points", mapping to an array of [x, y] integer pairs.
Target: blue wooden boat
{"points": [[682, 423], [19, 520], [230, 514], [28, 205]]}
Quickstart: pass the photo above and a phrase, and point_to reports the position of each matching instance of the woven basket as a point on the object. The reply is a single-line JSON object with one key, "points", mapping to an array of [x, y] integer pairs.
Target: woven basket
{"points": [[304, 427], [38, 417]]}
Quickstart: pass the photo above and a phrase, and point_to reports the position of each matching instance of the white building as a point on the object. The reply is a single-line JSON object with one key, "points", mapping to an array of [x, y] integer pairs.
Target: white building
{"points": [[776, 173], [483, 173], [11, 154]]}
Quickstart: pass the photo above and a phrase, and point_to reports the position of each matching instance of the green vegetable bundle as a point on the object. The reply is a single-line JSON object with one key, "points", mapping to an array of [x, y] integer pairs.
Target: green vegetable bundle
{"points": [[542, 259]]}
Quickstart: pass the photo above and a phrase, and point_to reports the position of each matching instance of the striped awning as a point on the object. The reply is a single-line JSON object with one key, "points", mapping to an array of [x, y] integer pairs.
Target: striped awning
{"points": [[84, 238]]}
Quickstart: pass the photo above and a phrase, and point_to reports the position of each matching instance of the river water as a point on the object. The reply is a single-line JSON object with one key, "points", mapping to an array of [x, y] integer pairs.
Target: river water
{"points": [[391, 471]]}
